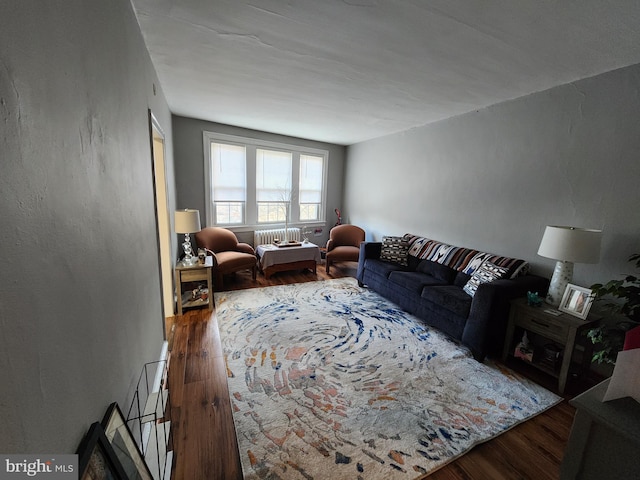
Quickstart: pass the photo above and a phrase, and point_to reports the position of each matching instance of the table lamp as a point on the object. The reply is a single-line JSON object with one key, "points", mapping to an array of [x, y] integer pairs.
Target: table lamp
{"points": [[187, 221], [568, 245]]}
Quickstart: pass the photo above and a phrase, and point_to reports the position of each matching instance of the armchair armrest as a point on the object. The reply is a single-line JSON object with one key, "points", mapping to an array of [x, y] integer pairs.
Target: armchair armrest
{"points": [[245, 248], [213, 257]]}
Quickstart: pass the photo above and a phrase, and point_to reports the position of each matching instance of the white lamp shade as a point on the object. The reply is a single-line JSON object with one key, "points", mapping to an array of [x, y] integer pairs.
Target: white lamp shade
{"points": [[187, 221], [570, 244]]}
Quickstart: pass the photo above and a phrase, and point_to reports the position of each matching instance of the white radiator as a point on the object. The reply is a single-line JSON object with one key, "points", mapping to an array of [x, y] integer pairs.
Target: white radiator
{"points": [[264, 237]]}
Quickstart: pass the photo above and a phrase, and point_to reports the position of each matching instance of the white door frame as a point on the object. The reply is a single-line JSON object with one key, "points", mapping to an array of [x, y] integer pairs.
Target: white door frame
{"points": [[163, 221]]}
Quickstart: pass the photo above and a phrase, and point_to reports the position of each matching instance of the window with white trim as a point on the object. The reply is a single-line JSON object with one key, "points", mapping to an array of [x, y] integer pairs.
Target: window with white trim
{"points": [[310, 187], [251, 182], [228, 183], [273, 185]]}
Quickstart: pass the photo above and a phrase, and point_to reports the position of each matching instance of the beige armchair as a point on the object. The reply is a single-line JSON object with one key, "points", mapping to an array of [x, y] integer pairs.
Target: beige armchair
{"points": [[228, 254], [344, 244]]}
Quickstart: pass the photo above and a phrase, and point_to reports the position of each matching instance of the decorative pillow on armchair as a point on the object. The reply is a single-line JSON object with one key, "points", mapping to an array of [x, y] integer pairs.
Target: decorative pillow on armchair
{"points": [[395, 250], [485, 273]]}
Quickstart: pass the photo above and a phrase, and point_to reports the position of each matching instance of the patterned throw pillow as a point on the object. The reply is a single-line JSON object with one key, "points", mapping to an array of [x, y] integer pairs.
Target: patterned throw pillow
{"points": [[487, 272], [395, 250]]}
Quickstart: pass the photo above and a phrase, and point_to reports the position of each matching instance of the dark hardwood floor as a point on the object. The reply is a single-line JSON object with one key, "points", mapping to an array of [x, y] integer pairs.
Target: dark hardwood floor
{"points": [[204, 436]]}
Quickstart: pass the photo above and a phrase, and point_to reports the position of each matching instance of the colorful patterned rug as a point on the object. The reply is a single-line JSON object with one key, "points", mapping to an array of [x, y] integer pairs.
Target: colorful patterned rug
{"points": [[328, 380]]}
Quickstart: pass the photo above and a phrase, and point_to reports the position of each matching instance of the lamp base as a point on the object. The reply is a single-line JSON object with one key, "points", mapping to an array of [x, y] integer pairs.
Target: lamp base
{"points": [[189, 260], [562, 275]]}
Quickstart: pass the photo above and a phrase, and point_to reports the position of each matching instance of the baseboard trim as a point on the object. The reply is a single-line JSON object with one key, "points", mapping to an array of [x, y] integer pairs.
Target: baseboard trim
{"points": [[164, 355]]}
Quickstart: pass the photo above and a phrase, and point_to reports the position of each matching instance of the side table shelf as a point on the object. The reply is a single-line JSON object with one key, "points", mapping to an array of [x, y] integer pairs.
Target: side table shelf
{"points": [[195, 273], [561, 330], [149, 419]]}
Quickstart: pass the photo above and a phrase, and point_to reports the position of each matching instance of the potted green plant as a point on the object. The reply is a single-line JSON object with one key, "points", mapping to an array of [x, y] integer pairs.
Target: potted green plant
{"points": [[622, 299]]}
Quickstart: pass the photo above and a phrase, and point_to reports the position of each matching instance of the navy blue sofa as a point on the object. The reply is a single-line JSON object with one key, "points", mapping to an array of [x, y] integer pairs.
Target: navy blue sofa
{"points": [[430, 286]]}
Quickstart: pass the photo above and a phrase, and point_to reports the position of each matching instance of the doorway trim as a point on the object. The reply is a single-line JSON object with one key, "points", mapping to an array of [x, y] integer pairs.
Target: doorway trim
{"points": [[163, 219]]}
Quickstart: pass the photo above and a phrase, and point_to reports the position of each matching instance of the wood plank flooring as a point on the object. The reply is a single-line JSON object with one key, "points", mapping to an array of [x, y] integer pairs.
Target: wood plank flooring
{"points": [[204, 436]]}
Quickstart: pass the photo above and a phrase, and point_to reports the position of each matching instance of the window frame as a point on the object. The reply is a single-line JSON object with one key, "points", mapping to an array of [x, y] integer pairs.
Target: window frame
{"points": [[251, 205], [210, 189]]}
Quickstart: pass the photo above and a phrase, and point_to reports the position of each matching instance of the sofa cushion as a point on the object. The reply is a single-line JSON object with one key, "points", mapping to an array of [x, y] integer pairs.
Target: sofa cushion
{"points": [[515, 267], [382, 268], [437, 270], [449, 297], [413, 262], [461, 279], [395, 250], [414, 281], [449, 255], [487, 272]]}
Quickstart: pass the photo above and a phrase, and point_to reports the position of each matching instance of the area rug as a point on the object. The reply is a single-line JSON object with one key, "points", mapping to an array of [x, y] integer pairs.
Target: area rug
{"points": [[329, 380]]}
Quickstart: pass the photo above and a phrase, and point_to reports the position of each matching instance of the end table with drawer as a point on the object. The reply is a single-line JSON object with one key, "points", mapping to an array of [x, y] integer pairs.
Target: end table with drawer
{"points": [[563, 330], [195, 273]]}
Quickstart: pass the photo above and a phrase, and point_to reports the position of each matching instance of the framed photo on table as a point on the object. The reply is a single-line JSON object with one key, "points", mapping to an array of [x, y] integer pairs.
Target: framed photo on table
{"points": [[576, 301]]}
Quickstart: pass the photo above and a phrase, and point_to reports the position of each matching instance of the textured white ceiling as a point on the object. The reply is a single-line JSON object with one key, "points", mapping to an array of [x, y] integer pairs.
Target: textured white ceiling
{"points": [[348, 71]]}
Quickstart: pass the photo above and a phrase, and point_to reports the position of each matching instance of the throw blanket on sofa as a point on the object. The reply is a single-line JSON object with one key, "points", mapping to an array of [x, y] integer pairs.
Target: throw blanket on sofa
{"points": [[462, 259]]}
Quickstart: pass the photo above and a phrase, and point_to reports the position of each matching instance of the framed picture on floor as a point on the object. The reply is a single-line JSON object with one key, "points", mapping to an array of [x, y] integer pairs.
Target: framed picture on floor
{"points": [[124, 445], [96, 458]]}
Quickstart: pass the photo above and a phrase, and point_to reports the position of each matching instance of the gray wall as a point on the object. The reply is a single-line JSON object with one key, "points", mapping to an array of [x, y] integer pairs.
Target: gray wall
{"points": [[80, 304], [188, 145], [494, 178]]}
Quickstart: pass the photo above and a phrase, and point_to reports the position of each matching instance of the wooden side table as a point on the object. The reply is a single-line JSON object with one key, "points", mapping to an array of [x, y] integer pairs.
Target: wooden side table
{"points": [[195, 273], [562, 330]]}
